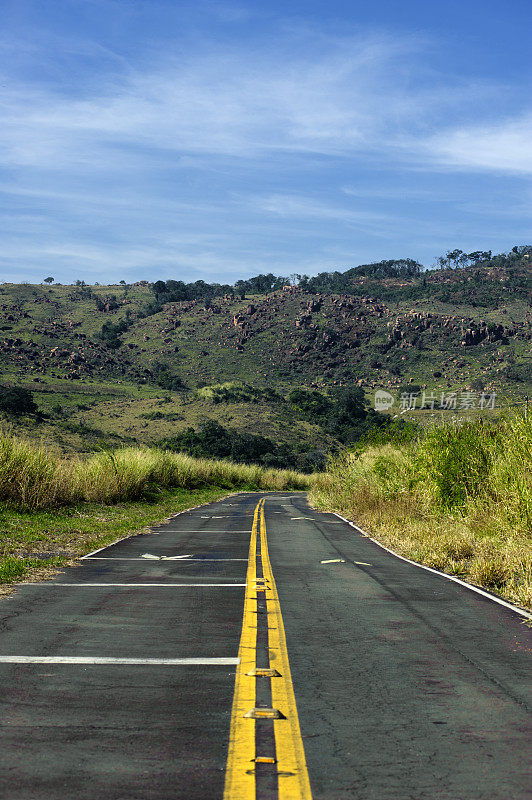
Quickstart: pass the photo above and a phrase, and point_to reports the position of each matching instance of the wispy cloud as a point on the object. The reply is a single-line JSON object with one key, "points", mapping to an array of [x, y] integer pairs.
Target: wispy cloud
{"points": [[227, 158], [498, 147], [338, 97], [301, 207]]}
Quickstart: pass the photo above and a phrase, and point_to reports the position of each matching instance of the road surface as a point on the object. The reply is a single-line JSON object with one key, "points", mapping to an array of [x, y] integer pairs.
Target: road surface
{"points": [[254, 649]]}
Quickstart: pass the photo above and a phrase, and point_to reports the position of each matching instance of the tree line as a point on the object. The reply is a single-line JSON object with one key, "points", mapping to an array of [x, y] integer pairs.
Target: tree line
{"points": [[333, 282]]}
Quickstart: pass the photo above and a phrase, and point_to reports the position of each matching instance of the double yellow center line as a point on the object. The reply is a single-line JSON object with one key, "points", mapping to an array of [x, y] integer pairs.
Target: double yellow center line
{"points": [[266, 752]]}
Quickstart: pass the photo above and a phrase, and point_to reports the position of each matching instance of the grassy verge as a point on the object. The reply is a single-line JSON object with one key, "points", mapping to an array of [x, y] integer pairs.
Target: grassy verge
{"points": [[459, 499], [35, 544], [53, 509], [33, 479]]}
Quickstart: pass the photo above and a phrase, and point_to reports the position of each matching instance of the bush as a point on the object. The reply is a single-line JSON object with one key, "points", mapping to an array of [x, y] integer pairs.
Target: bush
{"points": [[397, 431], [215, 441], [165, 379], [236, 392], [110, 333], [16, 401], [313, 405], [457, 460]]}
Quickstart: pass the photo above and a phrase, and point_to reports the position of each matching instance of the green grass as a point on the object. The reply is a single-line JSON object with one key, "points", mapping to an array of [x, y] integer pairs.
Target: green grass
{"points": [[36, 543], [53, 509], [459, 499], [33, 479]]}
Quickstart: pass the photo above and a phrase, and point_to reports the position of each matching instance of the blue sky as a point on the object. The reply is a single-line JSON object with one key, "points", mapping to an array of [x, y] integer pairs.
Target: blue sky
{"points": [[146, 139]]}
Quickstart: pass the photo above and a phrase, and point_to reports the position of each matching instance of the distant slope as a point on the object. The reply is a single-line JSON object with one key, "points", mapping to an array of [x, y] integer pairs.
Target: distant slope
{"points": [[126, 348]]}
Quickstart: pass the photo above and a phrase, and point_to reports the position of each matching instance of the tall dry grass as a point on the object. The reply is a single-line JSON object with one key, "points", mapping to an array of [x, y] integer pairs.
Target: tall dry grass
{"points": [[31, 478], [458, 499]]}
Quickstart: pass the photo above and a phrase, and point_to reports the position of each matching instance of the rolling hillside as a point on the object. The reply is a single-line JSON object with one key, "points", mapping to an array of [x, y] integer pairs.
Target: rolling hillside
{"points": [[132, 364]]}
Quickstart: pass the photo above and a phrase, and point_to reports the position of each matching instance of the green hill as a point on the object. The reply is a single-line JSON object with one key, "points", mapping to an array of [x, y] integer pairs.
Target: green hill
{"points": [[146, 362]]}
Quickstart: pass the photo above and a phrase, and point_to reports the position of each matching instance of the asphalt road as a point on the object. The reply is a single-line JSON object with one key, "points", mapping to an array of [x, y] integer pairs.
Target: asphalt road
{"points": [[125, 677]]}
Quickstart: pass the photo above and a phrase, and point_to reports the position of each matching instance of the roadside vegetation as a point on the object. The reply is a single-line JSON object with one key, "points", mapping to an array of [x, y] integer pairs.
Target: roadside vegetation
{"points": [[457, 498], [343, 416], [53, 509]]}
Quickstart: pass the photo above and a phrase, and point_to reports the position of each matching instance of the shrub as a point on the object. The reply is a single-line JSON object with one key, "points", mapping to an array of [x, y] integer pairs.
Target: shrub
{"points": [[235, 392], [457, 461], [214, 441], [17, 401], [312, 404]]}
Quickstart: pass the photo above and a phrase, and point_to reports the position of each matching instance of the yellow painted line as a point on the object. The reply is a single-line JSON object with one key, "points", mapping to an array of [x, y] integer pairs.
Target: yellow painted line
{"points": [[294, 782], [293, 777], [239, 776]]}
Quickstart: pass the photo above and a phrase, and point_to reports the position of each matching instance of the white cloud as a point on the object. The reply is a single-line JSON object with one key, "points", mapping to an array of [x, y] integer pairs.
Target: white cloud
{"points": [[499, 147], [334, 98], [303, 96], [306, 208], [228, 161], [186, 258]]}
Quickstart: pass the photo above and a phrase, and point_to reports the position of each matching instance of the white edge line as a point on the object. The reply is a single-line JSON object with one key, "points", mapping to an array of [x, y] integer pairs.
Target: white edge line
{"points": [[163, 558], [96, 660], [136, 585], [453, 578], [99, 550]]}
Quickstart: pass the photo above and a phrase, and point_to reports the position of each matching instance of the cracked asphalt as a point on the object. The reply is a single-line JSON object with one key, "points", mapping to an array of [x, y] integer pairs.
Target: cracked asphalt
{"points": [[408, 686]]}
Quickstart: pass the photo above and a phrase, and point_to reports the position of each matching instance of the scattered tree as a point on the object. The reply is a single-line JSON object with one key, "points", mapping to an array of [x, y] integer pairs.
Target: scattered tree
{"points": [[16, 401]]}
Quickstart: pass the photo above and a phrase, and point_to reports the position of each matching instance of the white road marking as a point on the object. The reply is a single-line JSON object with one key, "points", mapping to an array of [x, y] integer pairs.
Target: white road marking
{"points": [[452, 578], [223, 662], [99, 550], [165, 558], [307, 518], [173, 516], [134, 585], [333, 561], [176, 558], [362, 563]]}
